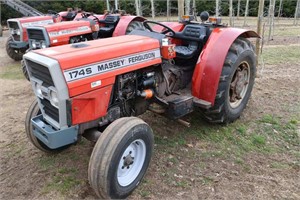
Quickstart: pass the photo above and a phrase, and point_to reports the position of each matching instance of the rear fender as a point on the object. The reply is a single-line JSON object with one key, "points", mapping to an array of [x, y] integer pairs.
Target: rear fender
{"points": [[209, 66], [123, 24]]}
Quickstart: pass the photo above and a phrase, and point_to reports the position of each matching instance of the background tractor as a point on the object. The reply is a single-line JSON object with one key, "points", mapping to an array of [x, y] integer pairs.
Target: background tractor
{"points": [[96, 89], [89, 27], [17, 43]]}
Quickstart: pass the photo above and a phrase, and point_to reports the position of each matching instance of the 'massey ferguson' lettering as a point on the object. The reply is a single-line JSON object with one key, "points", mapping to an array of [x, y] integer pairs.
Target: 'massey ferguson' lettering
{"points": [[110, 65], [105, 66], [141, 57]]}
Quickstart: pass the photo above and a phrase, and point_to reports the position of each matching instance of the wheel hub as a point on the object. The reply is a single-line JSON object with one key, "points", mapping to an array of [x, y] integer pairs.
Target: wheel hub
{"points": [[128, 160], [239, 84]]}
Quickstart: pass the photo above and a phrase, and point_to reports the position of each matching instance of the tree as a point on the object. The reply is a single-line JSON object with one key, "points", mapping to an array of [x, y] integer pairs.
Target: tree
{"points": [[238, 9], [180, 8], [297, 12], [260, 16], [152, 9], [230, 13], [246, 12], [217, 8]]}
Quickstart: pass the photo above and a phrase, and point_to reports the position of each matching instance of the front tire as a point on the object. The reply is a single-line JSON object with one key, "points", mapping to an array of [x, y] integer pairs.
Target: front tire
{"points": [[34, 111], [120, 158], [15, 54], [236, 83]]}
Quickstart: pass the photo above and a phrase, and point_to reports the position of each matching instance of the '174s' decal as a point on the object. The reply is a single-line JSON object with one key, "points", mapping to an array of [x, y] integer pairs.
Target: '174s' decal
{"points": [[108, 65]]}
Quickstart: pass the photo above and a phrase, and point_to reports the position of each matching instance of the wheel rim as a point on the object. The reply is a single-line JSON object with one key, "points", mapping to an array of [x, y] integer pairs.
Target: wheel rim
{"points": [[131, 162], [239, 85]]}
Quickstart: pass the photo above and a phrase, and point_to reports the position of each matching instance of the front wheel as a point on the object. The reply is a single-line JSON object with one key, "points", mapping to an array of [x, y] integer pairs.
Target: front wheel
{"points": [[15, 54], [34, 111], [120, 158], [236, 83]]}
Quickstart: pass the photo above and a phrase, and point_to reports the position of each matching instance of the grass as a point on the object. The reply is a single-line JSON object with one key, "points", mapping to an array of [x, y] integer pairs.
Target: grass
{"points": [[12, 71], [281, 55]]}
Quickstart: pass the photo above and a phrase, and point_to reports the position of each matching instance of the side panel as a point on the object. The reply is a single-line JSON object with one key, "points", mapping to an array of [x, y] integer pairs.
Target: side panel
{"points": [[123, 24], [91, 105], [209, 66]]}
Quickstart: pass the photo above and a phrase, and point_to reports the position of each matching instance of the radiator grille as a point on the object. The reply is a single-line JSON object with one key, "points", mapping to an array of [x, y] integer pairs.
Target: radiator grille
{"points": [[40, 72], [50, 110], [13, 25], [35, 34]]}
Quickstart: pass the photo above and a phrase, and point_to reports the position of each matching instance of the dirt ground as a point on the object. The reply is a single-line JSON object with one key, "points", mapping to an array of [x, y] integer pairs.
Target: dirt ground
{"points": [[179, 171]]}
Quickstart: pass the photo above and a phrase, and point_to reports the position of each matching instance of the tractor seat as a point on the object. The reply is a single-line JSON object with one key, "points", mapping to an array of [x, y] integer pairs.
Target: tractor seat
{"points": [[186, 52], [193, 37]]}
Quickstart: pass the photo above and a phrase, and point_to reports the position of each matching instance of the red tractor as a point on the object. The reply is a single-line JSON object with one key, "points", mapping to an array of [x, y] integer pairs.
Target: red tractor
{"points": [[17, 43], [89, 27], [96, 89]]}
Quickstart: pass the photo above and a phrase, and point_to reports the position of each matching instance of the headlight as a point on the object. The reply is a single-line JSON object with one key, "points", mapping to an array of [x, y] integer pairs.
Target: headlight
{"points": [[18, 32], [38, 90], [54, 98], [43, 45], [33, 44]]}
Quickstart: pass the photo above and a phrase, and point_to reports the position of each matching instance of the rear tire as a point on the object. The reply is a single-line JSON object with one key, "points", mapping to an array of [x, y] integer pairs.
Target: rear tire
{"points": [[33, 111], [236, 83], [120, 158], [134, 25], [15, 54]]}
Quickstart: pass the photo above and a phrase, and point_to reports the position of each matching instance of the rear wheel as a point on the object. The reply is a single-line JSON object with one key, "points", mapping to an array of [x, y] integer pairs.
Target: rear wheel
{"points": [[16, 54], [134, 25], [120, 158], [236, 83]]}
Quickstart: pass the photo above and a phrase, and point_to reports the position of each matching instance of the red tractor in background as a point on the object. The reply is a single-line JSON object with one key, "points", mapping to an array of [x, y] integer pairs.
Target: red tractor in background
{"points": [[17, 43], [96, 89], [89, 27]]}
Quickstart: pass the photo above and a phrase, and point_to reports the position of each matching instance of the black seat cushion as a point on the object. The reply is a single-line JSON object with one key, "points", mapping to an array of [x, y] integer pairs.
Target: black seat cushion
{"points": [[186, 51]]}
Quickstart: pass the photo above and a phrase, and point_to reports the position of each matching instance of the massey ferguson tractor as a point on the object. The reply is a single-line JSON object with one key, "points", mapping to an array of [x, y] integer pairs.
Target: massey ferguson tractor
{"points": [[96, 90], [17, 43], [89, 27]]}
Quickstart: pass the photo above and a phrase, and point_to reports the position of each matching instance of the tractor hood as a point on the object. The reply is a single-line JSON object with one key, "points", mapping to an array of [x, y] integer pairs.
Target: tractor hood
{"points": [[102, 60], [33, 21]]}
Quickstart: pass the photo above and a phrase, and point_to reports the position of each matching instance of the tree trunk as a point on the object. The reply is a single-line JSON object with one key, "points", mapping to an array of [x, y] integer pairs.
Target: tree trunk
{"points": [[137, 10], [180, 8], [116, 5], [297, 12], [152, 9], [271, 19], [140, 8], [279, 9], [187, 6], [107, 5], [246, 12], [260, 16], [238, 9], [168, 10], [230, 13], [217, 8]]}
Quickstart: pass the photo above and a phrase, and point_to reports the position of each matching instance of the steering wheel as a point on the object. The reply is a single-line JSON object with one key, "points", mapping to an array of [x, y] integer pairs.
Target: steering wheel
{"points": [[168, 29]]}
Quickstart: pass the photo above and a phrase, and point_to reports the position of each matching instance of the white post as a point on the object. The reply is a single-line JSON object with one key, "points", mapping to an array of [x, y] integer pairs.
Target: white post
{"points": [[297, 12], [238, 9], [152, 9], [137, 10], [116, 4], [246, 12], [107, 5], [230, 13], [168, 10], [217, 8]]}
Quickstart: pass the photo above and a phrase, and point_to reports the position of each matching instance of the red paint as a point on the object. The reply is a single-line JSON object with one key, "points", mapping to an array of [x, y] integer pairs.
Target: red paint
{"points": [[123, 24], [91, 105], [101, 50], [209, 66]]}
